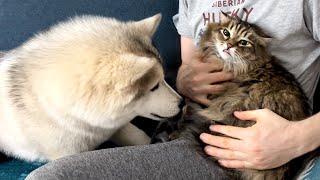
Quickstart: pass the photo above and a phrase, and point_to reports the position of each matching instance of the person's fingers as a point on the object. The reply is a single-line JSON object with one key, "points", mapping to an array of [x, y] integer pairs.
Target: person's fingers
{"points": [[208, 89], [201, 100], [224, 154], [247, 115], [235, 132], [219, 77], [235, 164], [207, 67], [212, 78], [221, 142]]}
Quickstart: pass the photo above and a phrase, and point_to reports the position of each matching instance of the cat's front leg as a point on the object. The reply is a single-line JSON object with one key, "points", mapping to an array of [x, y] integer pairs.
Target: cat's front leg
{"points": [[221, 110], [212, 115], [130, 135]]}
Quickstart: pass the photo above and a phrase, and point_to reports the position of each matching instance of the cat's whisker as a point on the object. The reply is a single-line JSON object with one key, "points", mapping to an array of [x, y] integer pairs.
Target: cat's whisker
{"points": [[239, 64]]}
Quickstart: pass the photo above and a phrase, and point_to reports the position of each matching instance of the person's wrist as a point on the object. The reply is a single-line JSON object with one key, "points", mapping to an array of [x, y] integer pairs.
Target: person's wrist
{"points": [[303, 137], [179, 80], [312, 132]]}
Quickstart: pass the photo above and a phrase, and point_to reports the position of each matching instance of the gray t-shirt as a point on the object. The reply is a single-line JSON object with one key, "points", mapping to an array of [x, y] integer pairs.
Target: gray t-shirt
{"points": [[293, 24]]}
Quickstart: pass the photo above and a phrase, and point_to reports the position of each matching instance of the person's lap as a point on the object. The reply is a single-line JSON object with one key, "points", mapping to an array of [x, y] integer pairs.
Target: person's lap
{"points": [[173, 160]]}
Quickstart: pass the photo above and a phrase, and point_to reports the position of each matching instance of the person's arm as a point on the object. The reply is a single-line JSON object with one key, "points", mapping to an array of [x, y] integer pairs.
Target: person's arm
{"points": [[310, 134], [188, 50], [270, 143], [197, 79]]}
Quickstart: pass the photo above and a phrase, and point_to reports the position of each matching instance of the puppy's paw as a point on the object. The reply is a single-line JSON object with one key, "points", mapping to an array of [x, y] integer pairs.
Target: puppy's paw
{"points": [[143, 140]]}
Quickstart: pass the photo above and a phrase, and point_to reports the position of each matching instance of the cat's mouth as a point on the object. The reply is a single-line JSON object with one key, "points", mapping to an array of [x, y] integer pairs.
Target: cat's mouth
{"points": [[227, 51]]}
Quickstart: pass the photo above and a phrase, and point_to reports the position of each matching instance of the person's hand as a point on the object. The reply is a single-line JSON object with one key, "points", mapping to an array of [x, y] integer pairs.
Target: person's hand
{"points": [[198, 79], [270, 143]]}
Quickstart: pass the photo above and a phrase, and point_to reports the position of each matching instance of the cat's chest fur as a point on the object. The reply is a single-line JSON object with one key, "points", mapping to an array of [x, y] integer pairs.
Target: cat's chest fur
{"points": [[269, 86]]}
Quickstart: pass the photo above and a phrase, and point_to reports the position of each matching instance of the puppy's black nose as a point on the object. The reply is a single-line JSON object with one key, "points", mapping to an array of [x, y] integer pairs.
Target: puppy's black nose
{"points": [[182, 103]]}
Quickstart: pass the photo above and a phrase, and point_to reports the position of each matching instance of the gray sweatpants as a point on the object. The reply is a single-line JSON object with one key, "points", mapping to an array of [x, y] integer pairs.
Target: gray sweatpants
{"points": [[172, 160]]}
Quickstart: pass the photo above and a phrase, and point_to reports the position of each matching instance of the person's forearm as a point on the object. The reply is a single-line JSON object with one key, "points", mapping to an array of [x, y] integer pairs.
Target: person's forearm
{"points": [[308, 134], [187, 49], [187, 53]]}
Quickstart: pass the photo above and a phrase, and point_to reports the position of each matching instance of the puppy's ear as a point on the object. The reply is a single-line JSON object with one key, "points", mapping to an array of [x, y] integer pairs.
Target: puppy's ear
{"points": [[149, 25], [133, 68]]}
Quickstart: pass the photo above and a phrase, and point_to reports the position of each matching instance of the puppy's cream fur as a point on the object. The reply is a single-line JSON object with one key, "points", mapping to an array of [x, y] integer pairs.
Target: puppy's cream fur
{"points": [[81, 82]]}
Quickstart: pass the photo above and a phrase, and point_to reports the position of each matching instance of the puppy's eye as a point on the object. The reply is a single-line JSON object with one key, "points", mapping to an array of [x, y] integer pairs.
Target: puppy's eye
{"points": [[243, 43], [226, 33], [155, 87]]}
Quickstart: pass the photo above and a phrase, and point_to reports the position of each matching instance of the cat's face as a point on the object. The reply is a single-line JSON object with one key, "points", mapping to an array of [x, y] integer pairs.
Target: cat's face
{"points": [[238, 44]]}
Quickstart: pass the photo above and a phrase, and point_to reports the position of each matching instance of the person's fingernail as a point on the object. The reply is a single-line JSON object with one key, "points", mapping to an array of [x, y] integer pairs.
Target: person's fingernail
{"points": [[207, 148], [203, 136], [222, 162], [212, 127]]}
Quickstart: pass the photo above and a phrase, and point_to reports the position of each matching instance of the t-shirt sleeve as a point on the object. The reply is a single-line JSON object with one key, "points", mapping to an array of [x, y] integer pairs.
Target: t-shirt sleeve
{"points": [[312, 17], [180, 20]]}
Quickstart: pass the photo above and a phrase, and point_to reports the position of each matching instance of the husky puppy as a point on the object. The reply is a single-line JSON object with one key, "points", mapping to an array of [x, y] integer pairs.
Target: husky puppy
{"points": [[74, 86]]}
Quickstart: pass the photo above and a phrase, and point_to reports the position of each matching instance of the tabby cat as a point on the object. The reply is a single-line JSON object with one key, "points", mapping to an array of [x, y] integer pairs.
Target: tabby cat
{"points": [[260, 82]]}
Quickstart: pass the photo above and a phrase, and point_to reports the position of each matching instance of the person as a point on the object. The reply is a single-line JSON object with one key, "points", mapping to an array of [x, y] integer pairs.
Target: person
{"points": [[272, 141]]}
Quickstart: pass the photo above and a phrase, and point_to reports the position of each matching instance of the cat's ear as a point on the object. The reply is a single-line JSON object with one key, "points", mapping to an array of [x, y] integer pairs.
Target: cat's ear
{"points": [[224, 17], [264, 41], [267, 40], [263, 37], [150, 25]]}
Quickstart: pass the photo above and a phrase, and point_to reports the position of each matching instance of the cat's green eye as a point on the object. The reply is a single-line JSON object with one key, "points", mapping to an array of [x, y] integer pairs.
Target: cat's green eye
{"points": [[243, 43], [226, 33]]}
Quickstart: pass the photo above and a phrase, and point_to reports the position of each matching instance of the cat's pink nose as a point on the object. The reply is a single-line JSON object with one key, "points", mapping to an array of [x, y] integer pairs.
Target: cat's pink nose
{"points": [[229, 45]]}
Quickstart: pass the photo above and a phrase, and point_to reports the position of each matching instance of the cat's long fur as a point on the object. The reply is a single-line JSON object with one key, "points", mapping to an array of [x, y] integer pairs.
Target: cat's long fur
{"points": [[260, 82]]}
